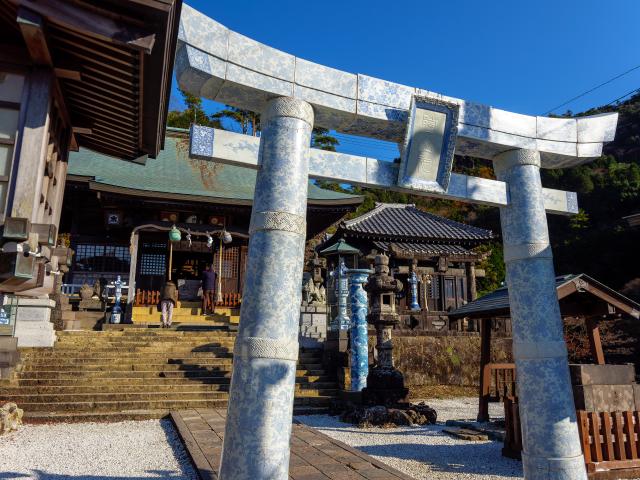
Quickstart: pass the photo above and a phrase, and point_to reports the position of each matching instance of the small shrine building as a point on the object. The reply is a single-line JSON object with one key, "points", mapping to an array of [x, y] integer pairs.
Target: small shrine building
{"points": [[439, 250]]}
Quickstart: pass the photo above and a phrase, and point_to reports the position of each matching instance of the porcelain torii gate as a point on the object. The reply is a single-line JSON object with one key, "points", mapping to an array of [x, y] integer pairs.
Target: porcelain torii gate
{"points": [[295, 94]]}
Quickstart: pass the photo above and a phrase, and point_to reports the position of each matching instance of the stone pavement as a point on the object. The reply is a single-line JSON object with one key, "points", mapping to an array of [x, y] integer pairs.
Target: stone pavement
{"points": [[314, 456]]}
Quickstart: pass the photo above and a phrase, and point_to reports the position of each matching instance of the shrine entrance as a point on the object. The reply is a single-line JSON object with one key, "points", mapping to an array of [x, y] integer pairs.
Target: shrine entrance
{"points": [[294, 95]]}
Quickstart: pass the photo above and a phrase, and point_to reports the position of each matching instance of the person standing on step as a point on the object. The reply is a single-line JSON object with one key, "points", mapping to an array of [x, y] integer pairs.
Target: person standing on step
{"points": [[168, 300], [209, 279]]}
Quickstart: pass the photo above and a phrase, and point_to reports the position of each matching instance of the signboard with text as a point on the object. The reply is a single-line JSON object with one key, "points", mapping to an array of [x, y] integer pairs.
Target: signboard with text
{"points": [[429, 145]]}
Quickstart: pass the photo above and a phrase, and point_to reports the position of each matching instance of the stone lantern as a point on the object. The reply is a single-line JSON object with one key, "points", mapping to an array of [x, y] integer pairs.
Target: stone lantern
{"points": [[385, 384]]}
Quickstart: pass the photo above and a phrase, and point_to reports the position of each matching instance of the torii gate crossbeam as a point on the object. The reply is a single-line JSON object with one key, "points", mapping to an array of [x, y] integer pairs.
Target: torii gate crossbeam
{"points": [[294, 95]]}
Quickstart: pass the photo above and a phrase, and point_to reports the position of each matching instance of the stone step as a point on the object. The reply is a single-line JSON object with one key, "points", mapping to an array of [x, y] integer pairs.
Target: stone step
{"points": [[145, 332], [129, 366], [92, 397], [119, 405], [172, 350], [324, 388], [135, 358], [64, 399], [139, 380], [187, 373], [143, 341]]}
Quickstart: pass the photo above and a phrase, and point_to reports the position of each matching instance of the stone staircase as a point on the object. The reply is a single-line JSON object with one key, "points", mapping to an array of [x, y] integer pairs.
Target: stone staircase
{"points": [[186, 313], [136, 372]]}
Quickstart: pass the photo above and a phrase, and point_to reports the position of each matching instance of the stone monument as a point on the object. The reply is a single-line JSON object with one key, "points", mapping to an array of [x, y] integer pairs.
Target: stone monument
{"points": [[385, 384]]}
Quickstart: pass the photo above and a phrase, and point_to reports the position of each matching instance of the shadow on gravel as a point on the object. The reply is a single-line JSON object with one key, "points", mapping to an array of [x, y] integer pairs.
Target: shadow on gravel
{"points": [[472, 458]]}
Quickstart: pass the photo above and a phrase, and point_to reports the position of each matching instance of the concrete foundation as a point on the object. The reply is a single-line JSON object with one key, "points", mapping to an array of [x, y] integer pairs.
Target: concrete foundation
{"points": [[313, 326], [33, 325]]}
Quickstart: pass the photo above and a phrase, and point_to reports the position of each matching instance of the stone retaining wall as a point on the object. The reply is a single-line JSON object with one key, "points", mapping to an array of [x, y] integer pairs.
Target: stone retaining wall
{"points": [[449, 359]]}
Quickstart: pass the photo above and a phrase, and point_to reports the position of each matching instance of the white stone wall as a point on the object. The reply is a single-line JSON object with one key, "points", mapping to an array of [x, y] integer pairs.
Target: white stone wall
{"points": [[33, 325], [313, 326]]}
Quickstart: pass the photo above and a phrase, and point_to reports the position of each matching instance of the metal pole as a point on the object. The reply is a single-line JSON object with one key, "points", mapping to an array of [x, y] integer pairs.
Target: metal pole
{"points": [[219, 294], [551, 446], [170, 257], [258, 427]]}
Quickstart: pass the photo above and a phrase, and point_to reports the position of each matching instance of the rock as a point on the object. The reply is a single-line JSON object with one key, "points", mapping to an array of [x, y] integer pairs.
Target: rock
{"points": [[10, 417], [399, 417]]}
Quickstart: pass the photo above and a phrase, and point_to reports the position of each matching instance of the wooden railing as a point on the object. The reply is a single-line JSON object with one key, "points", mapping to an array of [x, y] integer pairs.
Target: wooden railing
{"points": [[152, 297], [610, 440], [147, 297], [498, 381], [231, 299]]}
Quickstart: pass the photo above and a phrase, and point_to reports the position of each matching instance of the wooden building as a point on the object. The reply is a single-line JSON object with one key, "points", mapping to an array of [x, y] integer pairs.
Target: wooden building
{"points": [[118, 216], [73, 73], [440, 250]]}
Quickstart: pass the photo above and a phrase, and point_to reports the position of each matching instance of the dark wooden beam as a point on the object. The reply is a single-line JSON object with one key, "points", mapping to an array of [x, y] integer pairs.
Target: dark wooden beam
{"points": [[593, 330], [485, 373], [73, 17], [82, 130], [32, 28], [67, 74]]}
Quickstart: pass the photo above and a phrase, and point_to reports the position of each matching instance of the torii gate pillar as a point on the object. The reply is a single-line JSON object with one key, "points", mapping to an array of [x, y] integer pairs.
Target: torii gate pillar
{"points": [[551, 446], [258, 428]]}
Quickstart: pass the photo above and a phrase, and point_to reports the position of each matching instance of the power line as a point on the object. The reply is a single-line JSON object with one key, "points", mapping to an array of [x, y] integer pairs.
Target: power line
{"points": [[594, 88]]}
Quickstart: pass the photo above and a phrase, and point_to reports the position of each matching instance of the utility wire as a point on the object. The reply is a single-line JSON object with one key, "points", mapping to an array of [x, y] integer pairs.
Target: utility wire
{"points": [[594, 88]]}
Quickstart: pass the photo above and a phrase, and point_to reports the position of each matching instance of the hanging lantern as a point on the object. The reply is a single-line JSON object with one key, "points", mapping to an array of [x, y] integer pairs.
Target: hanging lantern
{"points": [[174, 234], [226, 237]]}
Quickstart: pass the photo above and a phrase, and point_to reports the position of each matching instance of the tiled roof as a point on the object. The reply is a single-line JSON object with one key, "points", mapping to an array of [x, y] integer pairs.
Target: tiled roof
{"points": [[423, 248], [497, 302], [340, 247], [406, 221], [173, 172]]}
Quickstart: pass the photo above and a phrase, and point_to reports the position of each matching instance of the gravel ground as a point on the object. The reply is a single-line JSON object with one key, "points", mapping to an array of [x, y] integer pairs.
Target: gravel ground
{"points": [[95, 451], [427, 452]]}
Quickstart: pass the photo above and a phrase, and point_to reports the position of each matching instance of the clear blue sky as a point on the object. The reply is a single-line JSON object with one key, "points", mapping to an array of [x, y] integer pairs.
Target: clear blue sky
{"points": [[523, 56]]}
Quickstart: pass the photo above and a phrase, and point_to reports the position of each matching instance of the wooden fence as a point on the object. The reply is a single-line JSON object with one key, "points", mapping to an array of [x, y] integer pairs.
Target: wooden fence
{"points": [[610, 440], [152, 297]]}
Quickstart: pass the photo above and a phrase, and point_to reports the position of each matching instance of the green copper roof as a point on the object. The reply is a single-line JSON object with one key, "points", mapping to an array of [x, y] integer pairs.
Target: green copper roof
{"points": [[173, 172], [339, 248]]}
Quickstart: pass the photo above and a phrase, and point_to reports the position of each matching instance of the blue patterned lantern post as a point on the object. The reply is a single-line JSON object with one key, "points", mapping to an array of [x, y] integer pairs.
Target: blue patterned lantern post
{"points": [[258, 427], [359, 335], [551, 446], [413, 281], [342, 322]]}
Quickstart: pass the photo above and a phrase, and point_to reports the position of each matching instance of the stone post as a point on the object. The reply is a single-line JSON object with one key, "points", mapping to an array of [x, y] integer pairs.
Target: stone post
{"points": [[471, 281], [551, 447], [359, 335], [341, 321], [258, 427]]}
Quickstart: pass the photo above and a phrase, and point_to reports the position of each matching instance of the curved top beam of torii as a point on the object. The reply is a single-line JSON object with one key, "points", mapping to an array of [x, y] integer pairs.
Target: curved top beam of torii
{"points": [[217, 63]]}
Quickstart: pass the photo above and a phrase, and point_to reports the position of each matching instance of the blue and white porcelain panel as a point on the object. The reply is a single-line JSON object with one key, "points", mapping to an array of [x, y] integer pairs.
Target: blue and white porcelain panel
{"points": [[258, 427], [260, 58]]}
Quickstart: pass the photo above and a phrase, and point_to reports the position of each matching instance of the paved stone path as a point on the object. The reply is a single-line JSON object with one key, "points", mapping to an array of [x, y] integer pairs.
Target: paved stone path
{"points": [[314, 456]]}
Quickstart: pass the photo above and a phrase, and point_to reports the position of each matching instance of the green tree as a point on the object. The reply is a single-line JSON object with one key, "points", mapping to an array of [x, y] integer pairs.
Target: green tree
{"points": [[193, 113], [321, 139], [247, 122]]}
